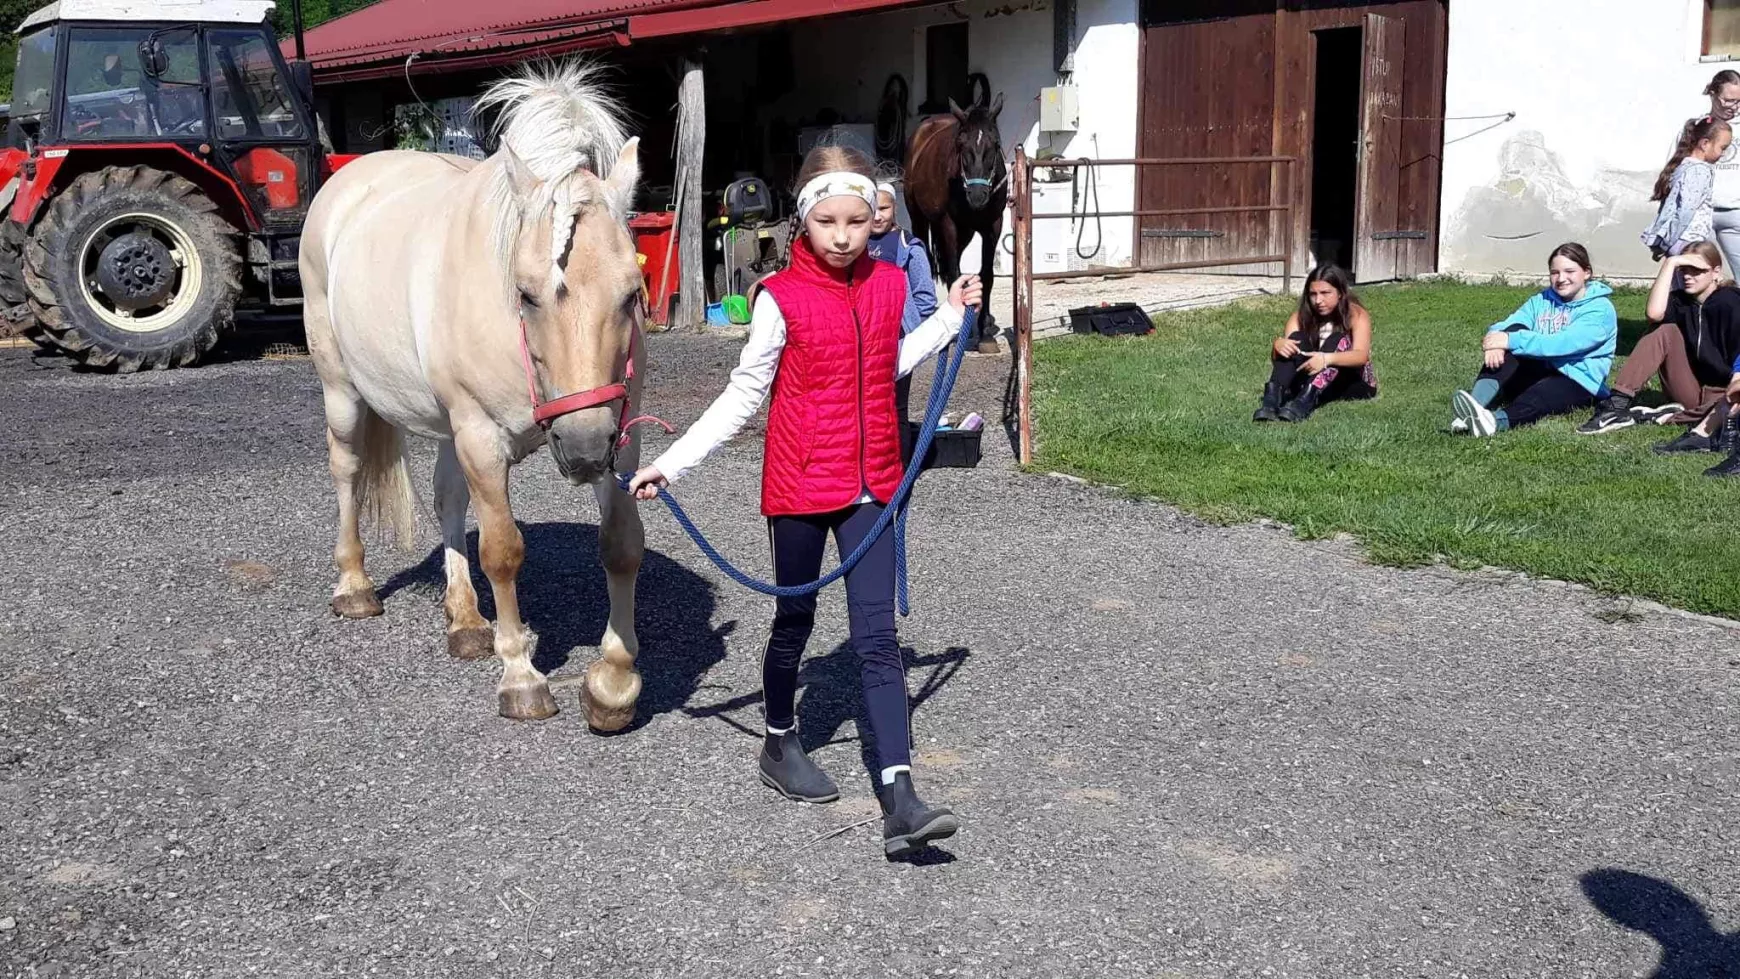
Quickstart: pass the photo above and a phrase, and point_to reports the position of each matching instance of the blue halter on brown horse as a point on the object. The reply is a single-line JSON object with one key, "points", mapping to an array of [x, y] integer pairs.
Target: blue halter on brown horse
{"points": [[956, 186]]}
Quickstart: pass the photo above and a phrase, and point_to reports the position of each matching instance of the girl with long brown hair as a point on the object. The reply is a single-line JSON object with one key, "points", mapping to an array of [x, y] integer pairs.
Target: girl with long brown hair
{"points": [[1685, 188], [1323, 353]]}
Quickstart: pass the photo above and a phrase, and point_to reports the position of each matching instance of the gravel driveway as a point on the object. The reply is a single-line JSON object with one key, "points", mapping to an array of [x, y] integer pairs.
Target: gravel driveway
{"points": [[1180, 750]]}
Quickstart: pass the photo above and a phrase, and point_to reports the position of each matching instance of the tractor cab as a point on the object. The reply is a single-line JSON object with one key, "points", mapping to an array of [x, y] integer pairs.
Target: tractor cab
{"points": [[218, 91], [164, 155]]}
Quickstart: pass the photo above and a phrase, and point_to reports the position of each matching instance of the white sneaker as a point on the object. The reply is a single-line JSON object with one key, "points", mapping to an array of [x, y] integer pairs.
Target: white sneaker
{"points": [[1659, 414], [1480, 421], [1458, 427]]}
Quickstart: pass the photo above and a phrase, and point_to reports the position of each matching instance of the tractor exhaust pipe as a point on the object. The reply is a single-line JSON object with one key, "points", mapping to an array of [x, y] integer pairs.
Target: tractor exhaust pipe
{"points": [[296, 25]]}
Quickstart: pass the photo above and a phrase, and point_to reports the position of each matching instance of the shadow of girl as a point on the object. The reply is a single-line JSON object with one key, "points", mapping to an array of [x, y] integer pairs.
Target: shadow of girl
{"points": [[1691, 948]]}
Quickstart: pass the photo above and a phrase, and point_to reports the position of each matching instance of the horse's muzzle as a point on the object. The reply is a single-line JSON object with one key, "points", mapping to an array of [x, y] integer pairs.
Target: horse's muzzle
{"points": [[978, 197], [584, 443]]}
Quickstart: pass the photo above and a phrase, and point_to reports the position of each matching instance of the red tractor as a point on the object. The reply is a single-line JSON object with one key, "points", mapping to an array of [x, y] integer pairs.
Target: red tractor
{"points": [[159, 162]]}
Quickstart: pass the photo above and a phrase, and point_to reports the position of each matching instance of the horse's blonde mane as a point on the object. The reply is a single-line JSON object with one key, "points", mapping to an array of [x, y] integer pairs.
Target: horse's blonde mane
{"points": [[556, 119]]}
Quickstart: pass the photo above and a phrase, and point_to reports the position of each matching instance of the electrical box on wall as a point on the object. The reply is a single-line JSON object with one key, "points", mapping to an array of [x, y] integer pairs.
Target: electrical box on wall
{"points": [[1057, 110]]}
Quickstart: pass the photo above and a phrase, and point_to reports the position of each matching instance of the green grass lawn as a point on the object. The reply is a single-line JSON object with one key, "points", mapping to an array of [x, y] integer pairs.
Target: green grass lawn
{"points": [[1168, 416]]}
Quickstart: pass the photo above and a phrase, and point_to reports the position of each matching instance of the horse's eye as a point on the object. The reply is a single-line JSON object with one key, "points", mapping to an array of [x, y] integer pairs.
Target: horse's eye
{"points": [[527, 299]]}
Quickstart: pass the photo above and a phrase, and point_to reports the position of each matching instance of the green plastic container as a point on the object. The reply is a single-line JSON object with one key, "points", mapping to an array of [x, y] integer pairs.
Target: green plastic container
{"points": [[737, 309]]}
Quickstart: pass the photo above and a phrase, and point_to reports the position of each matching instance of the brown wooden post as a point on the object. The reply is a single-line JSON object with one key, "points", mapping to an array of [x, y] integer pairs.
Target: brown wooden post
{"points": [[691, 223], [1023, 212]]}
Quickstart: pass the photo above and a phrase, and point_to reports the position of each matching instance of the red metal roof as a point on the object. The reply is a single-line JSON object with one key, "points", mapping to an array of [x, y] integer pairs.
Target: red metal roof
{"points": [[449, 35]]}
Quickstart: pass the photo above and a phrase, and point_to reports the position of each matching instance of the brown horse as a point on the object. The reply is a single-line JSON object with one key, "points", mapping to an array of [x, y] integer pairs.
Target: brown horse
{"points": [[956, 186]]}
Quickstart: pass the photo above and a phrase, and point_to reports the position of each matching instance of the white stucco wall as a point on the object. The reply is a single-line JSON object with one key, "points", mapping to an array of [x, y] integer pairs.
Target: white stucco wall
{"points": [[1599, 88], [1010, 42]]}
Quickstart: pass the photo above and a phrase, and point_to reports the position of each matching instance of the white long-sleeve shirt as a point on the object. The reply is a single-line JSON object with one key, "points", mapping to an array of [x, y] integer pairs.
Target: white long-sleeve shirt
{"points": [[753, 378]]}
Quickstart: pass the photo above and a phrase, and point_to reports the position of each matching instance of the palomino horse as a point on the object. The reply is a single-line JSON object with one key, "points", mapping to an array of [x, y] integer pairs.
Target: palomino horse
{"points": [[957, 185], [442, 296]]}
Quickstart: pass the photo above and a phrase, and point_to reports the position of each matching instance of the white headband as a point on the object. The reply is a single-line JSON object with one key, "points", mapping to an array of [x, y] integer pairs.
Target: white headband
{"points": [[840, 183], [885, 188]]}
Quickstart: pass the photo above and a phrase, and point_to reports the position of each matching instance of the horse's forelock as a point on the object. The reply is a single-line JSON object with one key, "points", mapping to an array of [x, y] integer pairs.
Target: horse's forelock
{"points": [[556, 123]]}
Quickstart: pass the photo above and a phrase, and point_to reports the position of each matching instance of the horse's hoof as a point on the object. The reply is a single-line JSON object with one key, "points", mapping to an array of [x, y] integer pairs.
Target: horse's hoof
{"points": [[473, 643], [356, 605], [609, 709], [989, 347], [528, 703], [606, 720]]}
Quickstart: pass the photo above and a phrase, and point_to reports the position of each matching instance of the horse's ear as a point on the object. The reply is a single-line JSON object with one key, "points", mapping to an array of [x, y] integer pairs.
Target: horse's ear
{"points": [[996, 105], [959, 112], [619, 187], [520, 176]]}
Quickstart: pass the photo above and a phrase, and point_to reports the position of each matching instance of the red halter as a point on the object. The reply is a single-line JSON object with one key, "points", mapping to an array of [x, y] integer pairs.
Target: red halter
{"points": [[546, 412]]}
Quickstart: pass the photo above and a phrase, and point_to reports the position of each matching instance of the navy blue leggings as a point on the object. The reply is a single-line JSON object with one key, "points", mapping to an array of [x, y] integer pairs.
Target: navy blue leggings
{"points": [[798, 543]]}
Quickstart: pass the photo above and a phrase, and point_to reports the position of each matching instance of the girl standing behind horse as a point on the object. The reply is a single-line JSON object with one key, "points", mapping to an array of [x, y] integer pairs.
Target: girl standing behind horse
{"points": [[825, 338], [890, 243]]}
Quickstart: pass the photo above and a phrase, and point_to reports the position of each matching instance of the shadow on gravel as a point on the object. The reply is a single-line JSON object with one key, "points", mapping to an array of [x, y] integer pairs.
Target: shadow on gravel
{"points": [[1691, 947], [563, 599], [832, 694], [829, 696]]}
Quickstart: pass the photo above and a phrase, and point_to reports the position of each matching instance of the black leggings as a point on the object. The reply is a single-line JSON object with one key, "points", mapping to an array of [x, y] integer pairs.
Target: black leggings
{"points": [[1534, 389], [1331, 382], [798, 543]]}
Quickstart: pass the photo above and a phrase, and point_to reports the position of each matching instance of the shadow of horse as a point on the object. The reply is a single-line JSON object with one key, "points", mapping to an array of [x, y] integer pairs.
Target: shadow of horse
{"points": [[563, 599], [1691, 947]]}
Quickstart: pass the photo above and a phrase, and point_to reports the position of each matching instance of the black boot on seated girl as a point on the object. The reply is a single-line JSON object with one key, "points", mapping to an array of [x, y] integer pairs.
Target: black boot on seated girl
{"points": [[1322, 354]]}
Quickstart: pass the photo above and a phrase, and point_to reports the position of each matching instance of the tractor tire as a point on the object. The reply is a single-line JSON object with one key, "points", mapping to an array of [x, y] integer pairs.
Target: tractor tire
{"points": [[131, 268], [12, 237]]}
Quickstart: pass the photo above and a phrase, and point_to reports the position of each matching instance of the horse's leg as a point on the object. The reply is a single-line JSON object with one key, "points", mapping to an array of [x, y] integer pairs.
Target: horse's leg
{"points": [[522, 693], [989, 238], [948, 249], [468, 632], [612, 685], [346, 422]]}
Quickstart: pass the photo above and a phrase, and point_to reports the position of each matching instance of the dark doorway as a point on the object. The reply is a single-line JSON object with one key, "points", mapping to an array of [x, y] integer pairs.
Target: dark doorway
{"points": [[1335, 145], [945, 67]]}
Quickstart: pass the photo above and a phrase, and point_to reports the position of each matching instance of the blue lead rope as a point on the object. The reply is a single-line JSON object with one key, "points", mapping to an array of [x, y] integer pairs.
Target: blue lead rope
{"points": [[941, 385]]}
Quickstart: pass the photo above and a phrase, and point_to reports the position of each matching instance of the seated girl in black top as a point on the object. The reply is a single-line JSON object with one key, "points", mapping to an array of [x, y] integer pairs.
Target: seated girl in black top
{"points": [[1323, 353]]}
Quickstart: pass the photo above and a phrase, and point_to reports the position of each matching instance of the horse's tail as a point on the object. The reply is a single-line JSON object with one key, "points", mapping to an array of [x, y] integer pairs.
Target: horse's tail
{"points": [[383, 486]]}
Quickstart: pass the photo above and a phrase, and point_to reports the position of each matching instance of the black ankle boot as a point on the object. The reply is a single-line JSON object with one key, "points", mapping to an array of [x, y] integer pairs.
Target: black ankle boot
{"points": [[908, 824], [787, 770], [1728, 433], [1273, 394], [1301, 407]]}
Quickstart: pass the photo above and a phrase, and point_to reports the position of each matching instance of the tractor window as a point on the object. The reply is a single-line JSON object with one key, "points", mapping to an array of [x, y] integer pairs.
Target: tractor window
{"points": [[252, 97], [109, 96], [34, 80]]}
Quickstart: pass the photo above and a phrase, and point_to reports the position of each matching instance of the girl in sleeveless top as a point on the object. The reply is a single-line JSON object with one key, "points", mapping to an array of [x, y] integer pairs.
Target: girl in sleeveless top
{"points": [[1323, 353]]}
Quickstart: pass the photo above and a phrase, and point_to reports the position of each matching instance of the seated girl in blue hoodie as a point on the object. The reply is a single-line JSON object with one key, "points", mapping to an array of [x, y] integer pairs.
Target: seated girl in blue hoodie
{"points": [[1549, 357]]}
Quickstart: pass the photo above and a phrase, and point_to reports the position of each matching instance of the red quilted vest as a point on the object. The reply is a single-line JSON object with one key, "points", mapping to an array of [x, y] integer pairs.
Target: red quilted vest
{"points": [[832, 430]]}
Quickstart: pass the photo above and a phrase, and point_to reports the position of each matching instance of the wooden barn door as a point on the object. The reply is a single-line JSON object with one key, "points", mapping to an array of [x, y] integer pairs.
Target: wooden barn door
{"points": [[1207, 91], [1376, 237]]}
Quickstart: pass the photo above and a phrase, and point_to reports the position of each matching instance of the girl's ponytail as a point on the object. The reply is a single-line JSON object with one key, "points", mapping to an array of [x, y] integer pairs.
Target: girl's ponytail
{"points": [[1695, 132]]}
